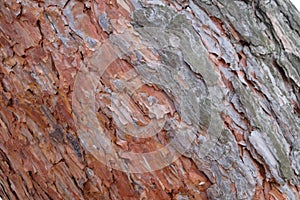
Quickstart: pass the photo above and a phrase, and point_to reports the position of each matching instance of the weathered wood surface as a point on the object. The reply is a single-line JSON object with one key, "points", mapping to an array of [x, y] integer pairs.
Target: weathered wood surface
{"points": [[228, 85]]}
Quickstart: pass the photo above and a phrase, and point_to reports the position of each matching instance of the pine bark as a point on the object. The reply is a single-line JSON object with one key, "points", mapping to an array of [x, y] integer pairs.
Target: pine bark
{"points": [[230, 88]]}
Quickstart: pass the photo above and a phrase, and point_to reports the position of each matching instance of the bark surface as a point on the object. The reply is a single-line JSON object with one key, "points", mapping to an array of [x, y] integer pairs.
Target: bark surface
{"points": [[222, 77]]}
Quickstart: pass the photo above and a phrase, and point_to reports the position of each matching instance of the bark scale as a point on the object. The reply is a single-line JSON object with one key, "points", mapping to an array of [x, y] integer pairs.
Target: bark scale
{"points": [[229, 79]]}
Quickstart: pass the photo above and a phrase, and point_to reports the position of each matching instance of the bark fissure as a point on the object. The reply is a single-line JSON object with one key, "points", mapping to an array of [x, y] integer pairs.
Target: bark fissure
{"points": [[237, 61]]}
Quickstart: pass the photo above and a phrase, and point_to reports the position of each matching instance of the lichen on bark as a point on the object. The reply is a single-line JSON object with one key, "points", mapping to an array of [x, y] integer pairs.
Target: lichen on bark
{"points": [[223, 75]]}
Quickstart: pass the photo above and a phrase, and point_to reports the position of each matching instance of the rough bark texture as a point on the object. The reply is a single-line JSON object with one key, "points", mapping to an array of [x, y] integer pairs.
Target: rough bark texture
{"points": [[242, 58]]}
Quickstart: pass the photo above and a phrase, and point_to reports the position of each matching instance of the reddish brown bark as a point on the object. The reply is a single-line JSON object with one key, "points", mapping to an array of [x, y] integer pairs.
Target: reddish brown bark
{"points": [[44, 45]]}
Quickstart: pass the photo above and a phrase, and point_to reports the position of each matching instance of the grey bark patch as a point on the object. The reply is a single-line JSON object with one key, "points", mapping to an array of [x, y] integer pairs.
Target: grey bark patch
{"points": [[57, 135], [75, 144], [104, 22]]}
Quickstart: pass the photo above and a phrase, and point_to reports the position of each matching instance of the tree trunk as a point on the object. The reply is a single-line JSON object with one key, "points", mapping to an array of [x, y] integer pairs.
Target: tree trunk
{"points": [[152, 99]]}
